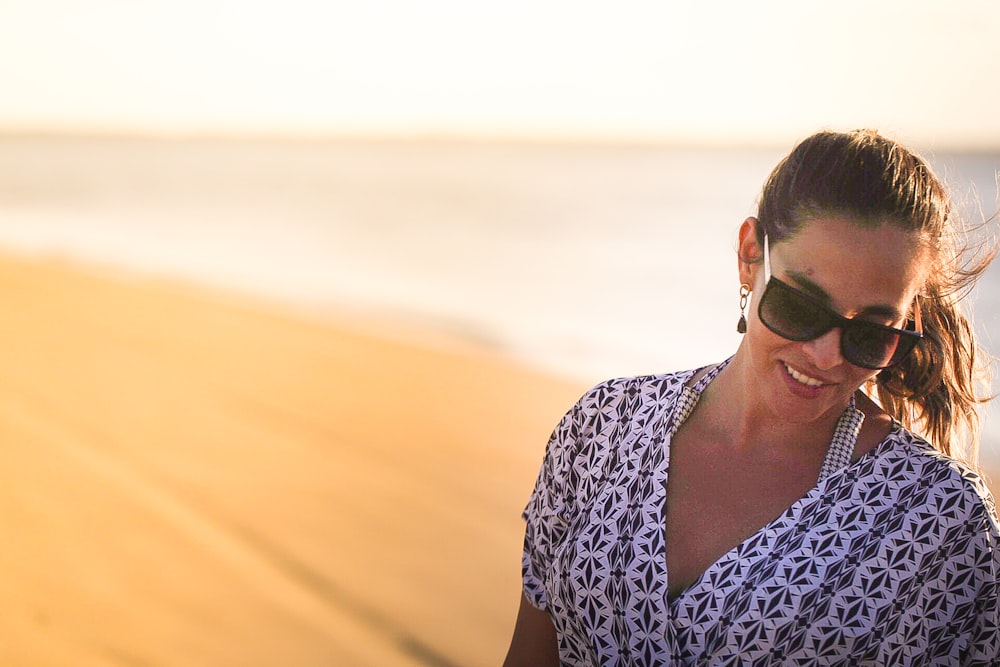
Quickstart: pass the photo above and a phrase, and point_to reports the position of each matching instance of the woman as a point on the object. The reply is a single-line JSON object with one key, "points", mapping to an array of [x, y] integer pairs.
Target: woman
{"points": [[777, 508]]}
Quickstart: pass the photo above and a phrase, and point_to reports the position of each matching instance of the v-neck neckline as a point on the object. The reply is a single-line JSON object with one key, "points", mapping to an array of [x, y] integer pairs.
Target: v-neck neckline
{"points": [[838, 456]]}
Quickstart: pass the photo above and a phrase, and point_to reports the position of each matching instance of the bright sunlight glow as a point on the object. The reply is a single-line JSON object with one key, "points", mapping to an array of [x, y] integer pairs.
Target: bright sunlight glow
{"points": [[638, 69]]}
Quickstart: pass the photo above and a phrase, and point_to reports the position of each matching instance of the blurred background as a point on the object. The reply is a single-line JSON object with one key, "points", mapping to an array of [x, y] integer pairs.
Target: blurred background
{"points": [[556, 185]]}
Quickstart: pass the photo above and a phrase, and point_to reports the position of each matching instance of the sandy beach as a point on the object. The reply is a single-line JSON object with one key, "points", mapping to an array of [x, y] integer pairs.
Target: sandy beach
{"points": [[196, 478], [192, 478]]}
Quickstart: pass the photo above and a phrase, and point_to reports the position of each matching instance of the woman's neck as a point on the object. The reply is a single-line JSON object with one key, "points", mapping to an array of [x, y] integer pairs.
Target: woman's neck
{"points": [[742, 415]]}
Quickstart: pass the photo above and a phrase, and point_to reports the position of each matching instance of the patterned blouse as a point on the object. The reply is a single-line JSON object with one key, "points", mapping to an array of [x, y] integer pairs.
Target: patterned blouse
{"points": [[889, 560]]}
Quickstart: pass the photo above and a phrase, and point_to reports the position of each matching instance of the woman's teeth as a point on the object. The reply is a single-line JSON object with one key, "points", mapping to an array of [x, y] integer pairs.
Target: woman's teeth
{"points": [[804, 379]]}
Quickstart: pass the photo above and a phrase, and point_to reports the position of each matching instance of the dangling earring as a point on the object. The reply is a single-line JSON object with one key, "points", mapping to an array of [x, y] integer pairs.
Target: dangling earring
{"points": [[741, 326]]}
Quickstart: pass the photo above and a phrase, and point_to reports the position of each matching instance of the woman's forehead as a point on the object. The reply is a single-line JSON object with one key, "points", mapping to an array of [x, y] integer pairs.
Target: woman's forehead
{"points": [[858, 266]]}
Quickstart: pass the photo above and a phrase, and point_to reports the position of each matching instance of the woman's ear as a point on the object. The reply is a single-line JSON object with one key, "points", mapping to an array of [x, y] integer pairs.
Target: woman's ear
{"points": [[748, 252]]}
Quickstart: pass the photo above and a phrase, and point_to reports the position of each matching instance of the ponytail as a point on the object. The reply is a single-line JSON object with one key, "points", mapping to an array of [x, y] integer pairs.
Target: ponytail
{"points": [[938, 389]]}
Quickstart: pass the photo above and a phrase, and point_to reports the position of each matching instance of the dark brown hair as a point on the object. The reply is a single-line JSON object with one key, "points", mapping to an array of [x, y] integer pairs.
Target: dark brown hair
{"points": [[864, 177]]}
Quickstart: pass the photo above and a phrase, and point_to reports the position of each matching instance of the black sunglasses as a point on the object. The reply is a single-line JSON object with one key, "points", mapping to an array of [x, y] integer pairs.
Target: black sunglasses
{"points": [[797, 316]]}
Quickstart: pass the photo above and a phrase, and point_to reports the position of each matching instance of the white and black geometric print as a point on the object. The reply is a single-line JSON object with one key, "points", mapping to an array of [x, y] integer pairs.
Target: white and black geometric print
{"points": [[890, 560]]}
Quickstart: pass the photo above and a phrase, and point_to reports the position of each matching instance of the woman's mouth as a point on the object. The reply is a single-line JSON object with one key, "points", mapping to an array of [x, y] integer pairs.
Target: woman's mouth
{"points": [[802, 378]]}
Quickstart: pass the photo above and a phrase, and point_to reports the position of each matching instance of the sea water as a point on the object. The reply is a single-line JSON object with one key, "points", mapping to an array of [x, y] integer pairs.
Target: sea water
{"points": [[588, 260]]}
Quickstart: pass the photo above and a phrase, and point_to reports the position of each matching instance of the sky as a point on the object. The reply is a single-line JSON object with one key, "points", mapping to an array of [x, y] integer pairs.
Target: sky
{"points": [[702, 72]]}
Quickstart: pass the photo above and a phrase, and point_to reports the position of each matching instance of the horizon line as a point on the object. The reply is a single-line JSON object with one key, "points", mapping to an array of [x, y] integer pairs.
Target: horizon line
{"points": [[727, 140]]}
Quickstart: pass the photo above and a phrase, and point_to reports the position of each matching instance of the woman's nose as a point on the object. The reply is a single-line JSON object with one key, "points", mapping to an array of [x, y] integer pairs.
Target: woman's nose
{"points": [[825, 350]]}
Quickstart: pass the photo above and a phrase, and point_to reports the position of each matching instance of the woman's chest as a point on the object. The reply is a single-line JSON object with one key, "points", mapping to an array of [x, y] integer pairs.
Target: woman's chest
{"points": [[826, 575], [718, 498]]}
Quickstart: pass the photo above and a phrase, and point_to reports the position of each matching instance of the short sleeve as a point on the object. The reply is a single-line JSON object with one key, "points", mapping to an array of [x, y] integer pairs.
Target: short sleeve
{"points": [[563, 482], [984, 637], [547, 513]]}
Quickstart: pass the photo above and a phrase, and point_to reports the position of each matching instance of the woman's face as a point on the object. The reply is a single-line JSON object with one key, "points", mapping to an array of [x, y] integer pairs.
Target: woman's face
{"points": [[873, 273]]}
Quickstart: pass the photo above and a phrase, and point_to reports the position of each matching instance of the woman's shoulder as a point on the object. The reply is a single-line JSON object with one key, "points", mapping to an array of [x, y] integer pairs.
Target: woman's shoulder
{"points": [[622, 399], [906, 456], [610, 411], [644, 387], [630, 399]]}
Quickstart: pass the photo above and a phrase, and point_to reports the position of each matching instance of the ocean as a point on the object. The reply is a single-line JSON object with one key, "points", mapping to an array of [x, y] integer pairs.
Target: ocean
{"points": [[587, 260]]}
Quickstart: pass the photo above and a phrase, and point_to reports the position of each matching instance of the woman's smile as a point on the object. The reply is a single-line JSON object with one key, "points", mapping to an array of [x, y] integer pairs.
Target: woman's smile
{"points": [[802, 385], [803, 378]]}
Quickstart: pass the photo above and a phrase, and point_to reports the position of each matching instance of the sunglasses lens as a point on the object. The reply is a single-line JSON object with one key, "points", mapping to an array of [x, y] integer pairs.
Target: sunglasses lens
{"points": [[790, 315], [796, 317], [868, 346]]}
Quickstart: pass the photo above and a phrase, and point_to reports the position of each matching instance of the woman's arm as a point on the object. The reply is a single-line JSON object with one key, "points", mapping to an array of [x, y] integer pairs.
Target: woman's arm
{"points": [[534, 643]]}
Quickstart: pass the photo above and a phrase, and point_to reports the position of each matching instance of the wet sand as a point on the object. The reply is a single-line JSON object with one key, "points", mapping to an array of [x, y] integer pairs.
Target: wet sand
{"points": [[190, 478]]}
